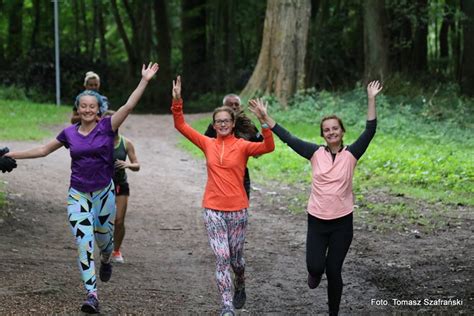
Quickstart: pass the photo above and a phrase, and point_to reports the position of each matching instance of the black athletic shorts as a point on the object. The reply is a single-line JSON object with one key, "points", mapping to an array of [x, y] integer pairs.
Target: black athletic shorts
{"points": [[122, 189]]}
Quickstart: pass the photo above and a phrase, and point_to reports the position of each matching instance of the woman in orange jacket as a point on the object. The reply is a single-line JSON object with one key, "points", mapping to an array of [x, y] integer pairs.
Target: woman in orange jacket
{"points": [[225, 202]]}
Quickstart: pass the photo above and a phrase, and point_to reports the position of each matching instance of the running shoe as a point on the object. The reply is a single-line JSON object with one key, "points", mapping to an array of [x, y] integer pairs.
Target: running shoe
{"points": [[313, 282], [227, 311], [239, 298], [105, 271], [91, 305], [117, 257]]}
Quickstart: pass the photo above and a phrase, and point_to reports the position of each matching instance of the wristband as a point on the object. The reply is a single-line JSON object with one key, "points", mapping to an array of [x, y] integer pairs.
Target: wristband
{"points": [[265, 125]]}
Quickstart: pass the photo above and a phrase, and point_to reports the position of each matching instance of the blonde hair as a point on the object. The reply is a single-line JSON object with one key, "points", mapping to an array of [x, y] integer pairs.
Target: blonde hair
{"points": [[91, 75]]}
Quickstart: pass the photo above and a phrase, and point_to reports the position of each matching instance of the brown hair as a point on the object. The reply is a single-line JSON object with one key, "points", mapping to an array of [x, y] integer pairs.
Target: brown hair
{"points": [[223, 109], [331, 117]]}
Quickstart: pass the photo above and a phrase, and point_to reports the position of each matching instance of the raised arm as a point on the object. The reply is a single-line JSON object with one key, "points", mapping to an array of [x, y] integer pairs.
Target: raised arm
{"points": [[178, 117], [147, 73], [373, 88], [359, 147], [301, 147], [37, 152]]}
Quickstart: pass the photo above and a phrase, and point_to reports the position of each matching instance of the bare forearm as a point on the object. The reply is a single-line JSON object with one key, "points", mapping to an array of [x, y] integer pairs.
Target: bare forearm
{"points": [[136, 95], [268, 120], [371, 112], [134, 166], [37, 152]]}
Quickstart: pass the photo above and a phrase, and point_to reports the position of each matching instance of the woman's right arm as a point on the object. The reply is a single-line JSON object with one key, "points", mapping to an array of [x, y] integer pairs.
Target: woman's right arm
{"points": [[36, 152], [301, 147], [178, 117]]}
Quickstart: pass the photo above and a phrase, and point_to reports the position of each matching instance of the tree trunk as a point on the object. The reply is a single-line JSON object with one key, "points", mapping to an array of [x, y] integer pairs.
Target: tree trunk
{"points": [[313, 42], [77, 34], [467, 64], [85, 28], [15, 31], [36, 24], [102, 31], [420, 41], [165, 76], [194, 47], [2, 39], [375, 41], [132, 58], [281, 64]]}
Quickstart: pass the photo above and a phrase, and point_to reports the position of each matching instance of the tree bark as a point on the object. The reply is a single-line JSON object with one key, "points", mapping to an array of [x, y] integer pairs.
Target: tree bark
{"points": [[164, 54], [102, 31], [375, 41], [2, 50], [281, 64], [420, 41], [36, 24], [15, 31], [132, 58], [467, 64], [194, 46], [77, 36]]}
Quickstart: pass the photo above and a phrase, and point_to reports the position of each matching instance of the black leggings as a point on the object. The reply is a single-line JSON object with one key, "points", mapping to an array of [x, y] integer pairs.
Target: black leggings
{"points": [[327, 244]]}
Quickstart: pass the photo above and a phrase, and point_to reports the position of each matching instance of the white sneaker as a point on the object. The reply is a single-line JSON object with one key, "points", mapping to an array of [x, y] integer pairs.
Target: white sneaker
{"points": [[117, 257]]}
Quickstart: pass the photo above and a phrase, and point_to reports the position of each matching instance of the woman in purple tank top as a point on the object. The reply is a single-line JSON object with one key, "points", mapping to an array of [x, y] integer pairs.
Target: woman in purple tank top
{"points": [[91, 199]]}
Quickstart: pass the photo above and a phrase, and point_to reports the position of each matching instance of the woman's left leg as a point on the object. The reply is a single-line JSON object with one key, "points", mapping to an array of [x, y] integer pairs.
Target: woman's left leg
{"points": [[237, 228], [217, 232], [339, 242], [121, 201], [104, 203]]}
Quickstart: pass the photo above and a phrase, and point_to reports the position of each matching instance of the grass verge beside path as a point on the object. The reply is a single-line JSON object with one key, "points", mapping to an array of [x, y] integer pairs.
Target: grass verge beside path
{"points": [[23, 120]]}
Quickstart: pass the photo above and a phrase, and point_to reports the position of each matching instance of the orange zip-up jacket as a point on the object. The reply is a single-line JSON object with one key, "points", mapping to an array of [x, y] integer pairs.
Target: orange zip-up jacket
{"points": [[226, 158]]}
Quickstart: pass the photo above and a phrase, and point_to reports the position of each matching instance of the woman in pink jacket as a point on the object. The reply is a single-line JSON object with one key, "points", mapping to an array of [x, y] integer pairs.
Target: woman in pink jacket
{"points": [[331, 201]]}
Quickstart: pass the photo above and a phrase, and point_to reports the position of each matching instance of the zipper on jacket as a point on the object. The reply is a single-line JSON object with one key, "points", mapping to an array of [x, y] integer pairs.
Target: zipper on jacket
{"points": [[222, 151]]}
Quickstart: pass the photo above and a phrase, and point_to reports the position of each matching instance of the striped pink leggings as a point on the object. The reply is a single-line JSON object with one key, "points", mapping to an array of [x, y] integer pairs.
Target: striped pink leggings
{"points": [[226, 231]]}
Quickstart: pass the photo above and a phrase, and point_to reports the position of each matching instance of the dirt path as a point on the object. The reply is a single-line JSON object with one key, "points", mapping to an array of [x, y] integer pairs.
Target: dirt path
{"points": [[169, 266]]}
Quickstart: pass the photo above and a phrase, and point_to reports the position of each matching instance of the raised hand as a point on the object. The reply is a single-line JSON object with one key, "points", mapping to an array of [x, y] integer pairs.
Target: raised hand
{"points": [[259, 108], [373, 88], [149, 71], [177, 88]]}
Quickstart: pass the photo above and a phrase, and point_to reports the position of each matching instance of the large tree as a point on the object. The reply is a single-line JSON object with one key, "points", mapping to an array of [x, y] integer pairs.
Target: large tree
{"points": [[15, 30], [194, 51], [375, 40], [163, 50], [281, 64], [467, 64]]}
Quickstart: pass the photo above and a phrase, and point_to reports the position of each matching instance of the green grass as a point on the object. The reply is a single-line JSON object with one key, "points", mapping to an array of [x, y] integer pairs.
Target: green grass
{"points": [[414, 153], [24, 120]]}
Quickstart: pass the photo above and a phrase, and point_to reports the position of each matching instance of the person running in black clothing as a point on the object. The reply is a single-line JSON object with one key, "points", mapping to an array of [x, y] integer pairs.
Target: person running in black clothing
{"points": [[244, 128], [331, 200]]}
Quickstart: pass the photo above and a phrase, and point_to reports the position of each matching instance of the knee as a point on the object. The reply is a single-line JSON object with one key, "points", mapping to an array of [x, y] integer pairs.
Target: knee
{"points": [[315, 267], [119, 222], [222, 263]]}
